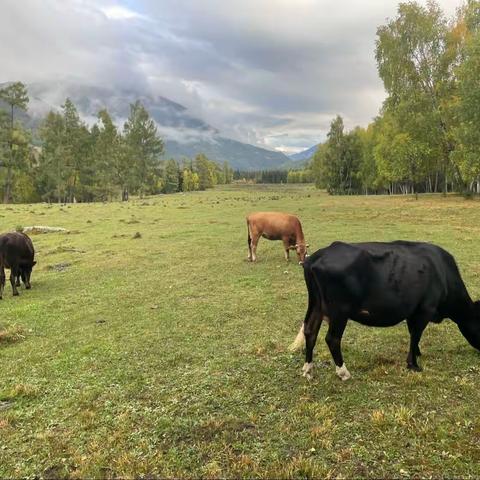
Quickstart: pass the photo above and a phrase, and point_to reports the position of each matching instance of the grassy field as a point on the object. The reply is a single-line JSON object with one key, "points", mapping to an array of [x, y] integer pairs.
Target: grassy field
{"points": [[167, 355]]}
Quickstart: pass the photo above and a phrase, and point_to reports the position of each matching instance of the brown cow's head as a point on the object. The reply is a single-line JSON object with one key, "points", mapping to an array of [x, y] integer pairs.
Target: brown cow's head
{"points": [[301, 249]]}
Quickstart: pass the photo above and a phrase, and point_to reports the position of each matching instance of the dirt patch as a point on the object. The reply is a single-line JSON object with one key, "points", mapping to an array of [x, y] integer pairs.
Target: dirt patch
{"points": [[59, 267]]}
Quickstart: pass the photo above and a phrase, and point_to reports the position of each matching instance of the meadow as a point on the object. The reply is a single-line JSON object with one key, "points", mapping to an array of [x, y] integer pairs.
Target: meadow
{"points": [[149, 347]]}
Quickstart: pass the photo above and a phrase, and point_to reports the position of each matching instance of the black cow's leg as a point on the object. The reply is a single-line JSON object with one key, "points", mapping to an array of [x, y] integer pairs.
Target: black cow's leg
{"points": [[2, 281], [416, 326], [14, 272], [418, 352], [334, 338], [311, 326], [26, 279], [17, 280]]}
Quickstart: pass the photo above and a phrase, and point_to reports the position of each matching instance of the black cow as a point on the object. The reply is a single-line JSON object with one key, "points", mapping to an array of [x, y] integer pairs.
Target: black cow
{"points": [[17, 254], [381, 284]]}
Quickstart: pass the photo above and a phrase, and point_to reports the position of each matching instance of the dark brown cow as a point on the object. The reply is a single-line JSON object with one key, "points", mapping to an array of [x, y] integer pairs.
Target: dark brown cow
{"points": [[276, 226], [17, 254]]}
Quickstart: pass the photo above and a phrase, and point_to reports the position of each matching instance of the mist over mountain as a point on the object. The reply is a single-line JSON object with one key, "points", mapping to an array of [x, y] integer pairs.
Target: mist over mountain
{"points": [[304, 154], [184, 134]]}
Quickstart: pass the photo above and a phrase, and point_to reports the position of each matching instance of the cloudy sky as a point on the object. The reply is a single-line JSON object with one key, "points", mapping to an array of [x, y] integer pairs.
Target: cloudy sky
{"points": [[268, 72]]}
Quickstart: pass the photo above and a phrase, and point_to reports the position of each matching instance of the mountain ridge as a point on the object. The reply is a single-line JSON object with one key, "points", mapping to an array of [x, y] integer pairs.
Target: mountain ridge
{"points": [[306, 154]]}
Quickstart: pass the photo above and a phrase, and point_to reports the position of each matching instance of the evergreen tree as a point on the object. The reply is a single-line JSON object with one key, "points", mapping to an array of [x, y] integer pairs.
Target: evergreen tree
{"points": [[16, 97], [53, 171], [143, 148], [171, 182], [109, 159]]}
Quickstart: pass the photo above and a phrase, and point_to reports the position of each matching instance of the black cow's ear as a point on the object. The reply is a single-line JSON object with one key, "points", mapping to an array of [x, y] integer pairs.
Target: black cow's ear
{"points": [[34, 263]]}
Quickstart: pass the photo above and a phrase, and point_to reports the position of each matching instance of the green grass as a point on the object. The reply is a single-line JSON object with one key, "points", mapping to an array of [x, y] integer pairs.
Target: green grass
{"points": [[167, 355]]}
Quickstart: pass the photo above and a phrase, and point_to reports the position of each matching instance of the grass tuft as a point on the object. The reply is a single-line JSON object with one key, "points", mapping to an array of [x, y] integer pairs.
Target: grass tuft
{"points": [[12, 334]]}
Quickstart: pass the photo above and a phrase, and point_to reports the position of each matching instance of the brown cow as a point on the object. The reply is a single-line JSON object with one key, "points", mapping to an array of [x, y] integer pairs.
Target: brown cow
{"points": [[276, 226], [17, 254]]}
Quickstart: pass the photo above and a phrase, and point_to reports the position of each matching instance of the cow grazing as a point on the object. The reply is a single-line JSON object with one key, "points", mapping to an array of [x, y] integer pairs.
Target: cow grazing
{"points": [[276, 226], [381, 284], [17, 254]]}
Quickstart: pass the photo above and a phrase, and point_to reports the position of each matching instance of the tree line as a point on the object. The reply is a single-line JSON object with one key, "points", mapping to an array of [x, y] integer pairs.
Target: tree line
{"points": [[302, 175], [73, 162], [426, 137]]}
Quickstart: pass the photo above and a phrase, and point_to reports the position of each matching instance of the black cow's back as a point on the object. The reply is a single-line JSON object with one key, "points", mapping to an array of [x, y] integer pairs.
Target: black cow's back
{"points": [[16, 249], [381, 284]]}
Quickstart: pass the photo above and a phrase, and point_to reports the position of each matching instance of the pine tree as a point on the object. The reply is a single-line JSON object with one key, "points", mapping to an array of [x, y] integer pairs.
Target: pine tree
{"points": [[111, 168], [171, 183], [15, 96], [144, 148]]}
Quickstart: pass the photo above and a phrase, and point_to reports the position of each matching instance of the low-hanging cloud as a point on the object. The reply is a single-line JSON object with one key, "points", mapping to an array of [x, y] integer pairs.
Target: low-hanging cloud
{"points": [[267, 72]]}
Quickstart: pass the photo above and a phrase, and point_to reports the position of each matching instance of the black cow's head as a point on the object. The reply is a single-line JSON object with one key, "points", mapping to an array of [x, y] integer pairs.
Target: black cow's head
{"points": [[26, 272], [476, 312], [470, 326]]}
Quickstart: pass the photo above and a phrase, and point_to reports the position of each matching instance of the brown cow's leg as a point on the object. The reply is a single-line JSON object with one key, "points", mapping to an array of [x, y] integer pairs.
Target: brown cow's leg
{"points": [[249, 241], [13, 276], [2, 281], [255, 239], [286, 246], [334, 338]]}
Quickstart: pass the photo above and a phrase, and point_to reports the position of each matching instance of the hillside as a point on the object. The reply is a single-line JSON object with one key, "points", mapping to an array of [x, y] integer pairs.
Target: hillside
{"points": [[304, 154]]}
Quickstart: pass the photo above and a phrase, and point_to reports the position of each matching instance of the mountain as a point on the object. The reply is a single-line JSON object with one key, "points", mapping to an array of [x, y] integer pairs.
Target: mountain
{"points": [[293, 165], [304, 154], [184, 134]]}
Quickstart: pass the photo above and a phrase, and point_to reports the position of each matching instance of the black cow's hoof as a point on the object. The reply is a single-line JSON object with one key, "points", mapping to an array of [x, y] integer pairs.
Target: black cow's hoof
{"points": [[415, 368], [16, 294], [28, 287]]}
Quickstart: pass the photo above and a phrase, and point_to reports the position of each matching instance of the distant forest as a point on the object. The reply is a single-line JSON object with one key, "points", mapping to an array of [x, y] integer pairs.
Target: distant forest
{"points": [[274, 176]]}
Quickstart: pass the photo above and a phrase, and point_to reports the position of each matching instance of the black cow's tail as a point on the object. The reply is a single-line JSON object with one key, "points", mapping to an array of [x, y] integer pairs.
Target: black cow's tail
{"points": [[299, 341], [249, 238]]}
